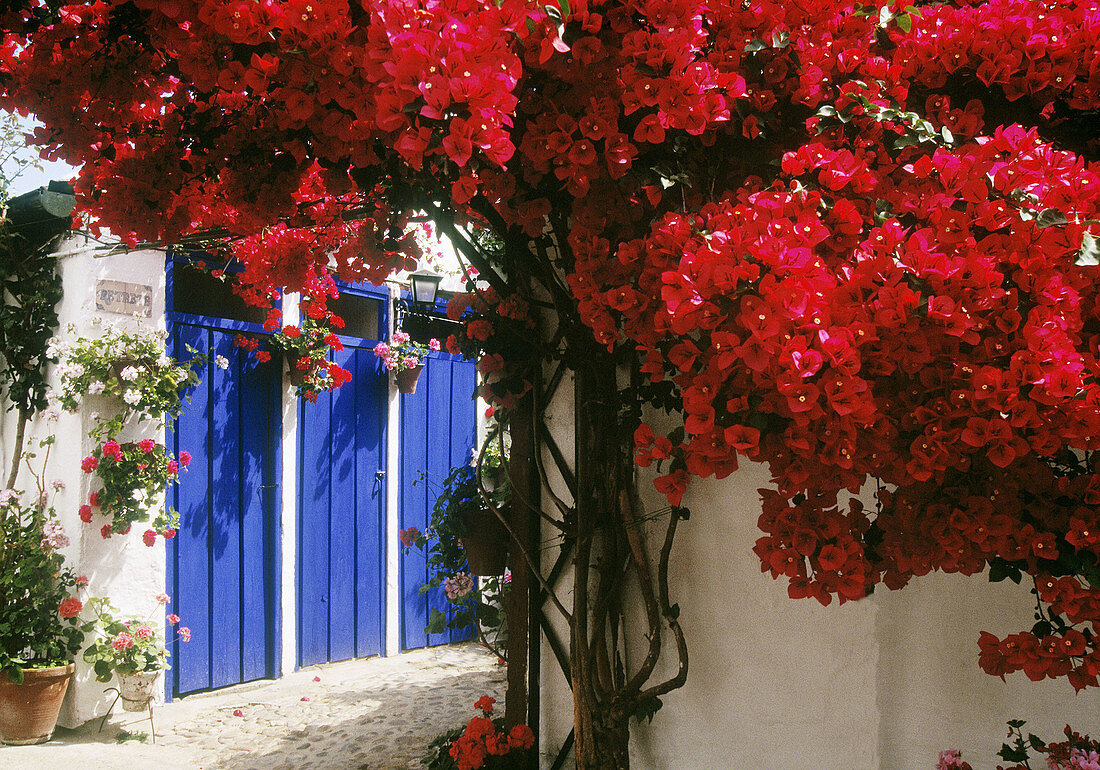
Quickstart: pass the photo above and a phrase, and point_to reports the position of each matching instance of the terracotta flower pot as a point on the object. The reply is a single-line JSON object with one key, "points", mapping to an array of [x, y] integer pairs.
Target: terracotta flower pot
{"points": [[406, 379], [485, 544], [136, 689], [28, 711]]}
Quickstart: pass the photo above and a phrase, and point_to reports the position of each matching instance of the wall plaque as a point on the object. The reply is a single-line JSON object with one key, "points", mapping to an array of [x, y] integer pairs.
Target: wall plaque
{"points": [[132, 299]]}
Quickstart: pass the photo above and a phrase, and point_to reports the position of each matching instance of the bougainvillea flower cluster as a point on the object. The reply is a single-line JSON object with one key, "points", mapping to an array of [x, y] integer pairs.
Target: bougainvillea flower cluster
{"points": [[857, 244]]}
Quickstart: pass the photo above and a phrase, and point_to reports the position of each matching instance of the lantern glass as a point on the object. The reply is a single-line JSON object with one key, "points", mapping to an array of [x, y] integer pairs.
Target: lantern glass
{"points": [[424, 287]]}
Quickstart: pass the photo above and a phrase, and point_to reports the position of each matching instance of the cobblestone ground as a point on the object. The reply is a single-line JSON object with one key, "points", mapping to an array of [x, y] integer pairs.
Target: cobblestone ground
{"points": [[373, 714]]}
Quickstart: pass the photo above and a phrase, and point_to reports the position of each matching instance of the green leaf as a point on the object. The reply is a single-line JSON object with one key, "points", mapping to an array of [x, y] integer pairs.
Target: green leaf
{"points": [[1089, 254], [884, 15], [781, 38], [1050, 218], [827, 111], [905, 22], [947, 135], [103, 671], [437, 622], [999, 569], [647, 708], [755, 45]]}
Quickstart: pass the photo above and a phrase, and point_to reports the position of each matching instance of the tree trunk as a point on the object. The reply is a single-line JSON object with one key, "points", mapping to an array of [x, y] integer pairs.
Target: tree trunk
{"points": [[17, 448], [602, 737], [517, 610]]}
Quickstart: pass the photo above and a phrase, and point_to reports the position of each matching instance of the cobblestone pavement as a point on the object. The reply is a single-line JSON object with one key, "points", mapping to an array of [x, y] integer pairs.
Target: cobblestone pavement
{"points": [[373, 714]]}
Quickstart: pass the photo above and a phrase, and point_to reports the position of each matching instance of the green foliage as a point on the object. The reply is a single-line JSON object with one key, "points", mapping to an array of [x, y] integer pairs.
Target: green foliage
{"points": [[31, 288], [33, 585], [125, 646], [482, 605], [14, 158], [132, 366], [134, 476]]}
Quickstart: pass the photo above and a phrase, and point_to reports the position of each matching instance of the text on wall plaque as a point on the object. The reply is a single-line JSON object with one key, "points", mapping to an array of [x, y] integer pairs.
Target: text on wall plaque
{"points": [[121, 298]]}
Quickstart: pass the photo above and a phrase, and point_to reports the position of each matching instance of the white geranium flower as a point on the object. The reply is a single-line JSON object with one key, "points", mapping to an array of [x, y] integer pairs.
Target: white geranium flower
{"points": [[130, 373], [132, 397], [222, 362], [95, 387], [163, 360]]}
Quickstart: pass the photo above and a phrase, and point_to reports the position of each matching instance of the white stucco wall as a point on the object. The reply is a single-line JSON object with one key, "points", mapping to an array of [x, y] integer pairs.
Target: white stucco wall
{"points": [[121, 568], [884, 683]]}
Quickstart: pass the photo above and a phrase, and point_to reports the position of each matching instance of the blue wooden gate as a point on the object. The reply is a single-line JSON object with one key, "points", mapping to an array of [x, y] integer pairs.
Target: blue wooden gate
{"points": [[223, 565], [342, 515], [438, 432]]}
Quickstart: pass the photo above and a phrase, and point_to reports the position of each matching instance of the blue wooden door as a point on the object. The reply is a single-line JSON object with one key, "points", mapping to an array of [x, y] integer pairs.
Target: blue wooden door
{"points": [[342, 515], [438, 432], [223, 565]]}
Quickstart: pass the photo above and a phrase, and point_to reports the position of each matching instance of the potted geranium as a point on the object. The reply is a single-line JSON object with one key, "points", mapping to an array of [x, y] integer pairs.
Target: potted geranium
{"points": [[405, 358], [39, 632], [130, 366], [481, 743], [131, 649], [133, 475]]}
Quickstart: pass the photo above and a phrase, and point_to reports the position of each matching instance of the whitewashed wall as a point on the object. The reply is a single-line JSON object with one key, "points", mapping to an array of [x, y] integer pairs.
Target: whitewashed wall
{"points": [[886, 682], [122, 567]]}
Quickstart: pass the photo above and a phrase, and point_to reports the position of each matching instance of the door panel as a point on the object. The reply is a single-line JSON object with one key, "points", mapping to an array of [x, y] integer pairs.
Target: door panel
{"points": [[342, 514], [223, 563], [438, 432]]}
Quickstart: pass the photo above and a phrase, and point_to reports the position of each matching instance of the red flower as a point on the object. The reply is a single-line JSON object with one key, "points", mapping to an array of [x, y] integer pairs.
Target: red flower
{"points": [[70, 607], [169, 533], [86, 513], [105, 531], [485, 704], [185, 458], [409, 536], [521, 737], [292, 331], [89, 464], [149, 537]]}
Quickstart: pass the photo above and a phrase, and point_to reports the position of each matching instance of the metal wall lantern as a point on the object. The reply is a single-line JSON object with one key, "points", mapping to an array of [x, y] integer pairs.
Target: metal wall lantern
{"points": [[417, 315], [425, 285]]}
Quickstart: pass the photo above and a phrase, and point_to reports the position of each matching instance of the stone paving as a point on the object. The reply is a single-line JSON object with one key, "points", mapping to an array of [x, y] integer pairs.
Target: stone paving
{"points": [[373, 714]]}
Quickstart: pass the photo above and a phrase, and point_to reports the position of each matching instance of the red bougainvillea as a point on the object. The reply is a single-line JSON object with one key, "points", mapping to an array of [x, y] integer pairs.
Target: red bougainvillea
{"points": [[855, 243]]}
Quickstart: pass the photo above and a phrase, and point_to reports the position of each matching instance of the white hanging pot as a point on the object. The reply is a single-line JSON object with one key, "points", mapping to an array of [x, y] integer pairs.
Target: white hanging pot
{"points": [[137, 689]]}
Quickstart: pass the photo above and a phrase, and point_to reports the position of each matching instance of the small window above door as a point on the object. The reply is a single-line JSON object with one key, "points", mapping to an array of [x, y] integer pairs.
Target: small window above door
{"points": [[196, 292]]}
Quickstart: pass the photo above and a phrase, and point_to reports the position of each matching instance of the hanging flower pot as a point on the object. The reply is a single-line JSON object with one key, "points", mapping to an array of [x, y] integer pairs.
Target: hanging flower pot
{"points": [[136, 689], [485, 543], [297, 376], [406, 379], [28, 711]]}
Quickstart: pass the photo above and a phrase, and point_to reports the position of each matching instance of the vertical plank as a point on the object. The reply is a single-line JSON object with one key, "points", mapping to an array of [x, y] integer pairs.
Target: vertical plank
{"points": [[414, 510], [370, 383], [461, 407], [313, 539], [225, 518], [342, 550], [441, 438], [190, 598], [258, 492]]}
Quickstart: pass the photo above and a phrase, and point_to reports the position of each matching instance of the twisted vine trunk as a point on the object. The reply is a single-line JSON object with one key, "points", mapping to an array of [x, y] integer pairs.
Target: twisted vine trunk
{"points": [[604, 473]]}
